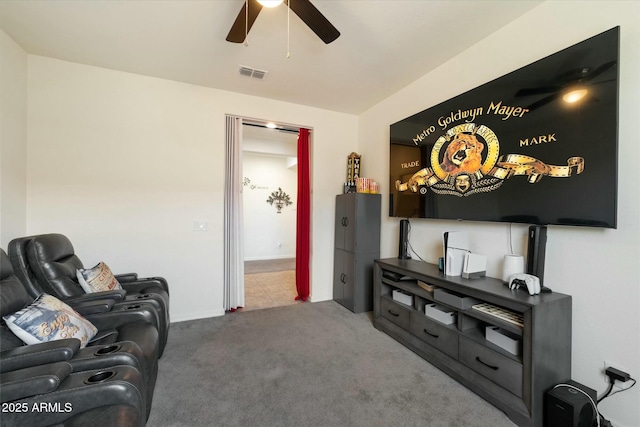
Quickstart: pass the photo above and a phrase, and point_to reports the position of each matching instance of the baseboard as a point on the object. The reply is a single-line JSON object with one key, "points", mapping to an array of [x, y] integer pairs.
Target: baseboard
{"points": [[270, 257], [313, 298], [196, 316]]}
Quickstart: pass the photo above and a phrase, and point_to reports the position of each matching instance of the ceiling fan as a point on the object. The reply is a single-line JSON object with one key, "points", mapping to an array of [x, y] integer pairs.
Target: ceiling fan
{"points": [[573, 86], [303, 8]]}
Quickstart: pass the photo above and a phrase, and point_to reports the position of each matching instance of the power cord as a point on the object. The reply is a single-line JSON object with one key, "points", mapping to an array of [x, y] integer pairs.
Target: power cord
{"points": [[510, 243], [607, 393], [605, 422], [409, 241]]}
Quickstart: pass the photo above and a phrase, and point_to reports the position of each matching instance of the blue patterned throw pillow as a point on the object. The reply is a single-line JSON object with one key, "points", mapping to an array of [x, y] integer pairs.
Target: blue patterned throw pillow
{"points": [[48, 319]]}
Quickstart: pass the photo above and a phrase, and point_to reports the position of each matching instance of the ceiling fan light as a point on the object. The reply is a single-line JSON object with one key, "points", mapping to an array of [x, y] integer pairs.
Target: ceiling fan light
{"points": [[270, 3], [574, 95]]}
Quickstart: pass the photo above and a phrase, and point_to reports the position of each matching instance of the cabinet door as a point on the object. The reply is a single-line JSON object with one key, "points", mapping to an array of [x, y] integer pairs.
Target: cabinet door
{"points": [[339, 221], [338, 277], [363, 281], [349, 280], [357, 222], [345, 221], [365, 233], [350, 221], [343, 278]]}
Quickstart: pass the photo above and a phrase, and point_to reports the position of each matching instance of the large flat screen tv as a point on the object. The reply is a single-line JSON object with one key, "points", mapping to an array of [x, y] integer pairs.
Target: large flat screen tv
{"points": [[538, 145]]}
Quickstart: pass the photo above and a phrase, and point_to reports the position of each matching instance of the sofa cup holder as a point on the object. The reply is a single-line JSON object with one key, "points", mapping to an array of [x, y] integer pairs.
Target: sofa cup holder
{"points": [[108, 350], [100, 377]]}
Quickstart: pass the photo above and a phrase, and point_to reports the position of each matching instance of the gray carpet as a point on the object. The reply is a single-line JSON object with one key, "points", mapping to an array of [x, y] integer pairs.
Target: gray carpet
{"points": [[310, 364]]}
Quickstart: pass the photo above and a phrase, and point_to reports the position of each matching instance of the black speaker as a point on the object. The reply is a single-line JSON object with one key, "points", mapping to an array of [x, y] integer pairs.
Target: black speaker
{"points": [[403, 240], [567, 405], [535, 251]]}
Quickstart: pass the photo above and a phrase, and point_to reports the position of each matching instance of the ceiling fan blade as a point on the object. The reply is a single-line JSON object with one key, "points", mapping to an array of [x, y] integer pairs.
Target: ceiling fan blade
{"points": [[601, 69], [544, 101], [603, 81], [237, 34], [314, 20], [538, 90]]}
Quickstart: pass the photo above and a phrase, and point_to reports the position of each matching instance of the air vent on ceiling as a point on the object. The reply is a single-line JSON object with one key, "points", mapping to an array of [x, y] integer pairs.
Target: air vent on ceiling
{"points": [[252, 72]]}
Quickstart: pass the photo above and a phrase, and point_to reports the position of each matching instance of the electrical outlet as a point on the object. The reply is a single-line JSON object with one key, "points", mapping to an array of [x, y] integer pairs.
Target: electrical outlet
{"points": [[608, 364]]}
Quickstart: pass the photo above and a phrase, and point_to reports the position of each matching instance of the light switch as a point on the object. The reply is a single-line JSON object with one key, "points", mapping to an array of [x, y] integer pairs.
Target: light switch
{"points": [[200, 225]]}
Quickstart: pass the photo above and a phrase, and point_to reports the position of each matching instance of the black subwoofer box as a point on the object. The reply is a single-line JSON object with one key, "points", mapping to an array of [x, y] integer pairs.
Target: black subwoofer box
{"points": [[568, 407]]}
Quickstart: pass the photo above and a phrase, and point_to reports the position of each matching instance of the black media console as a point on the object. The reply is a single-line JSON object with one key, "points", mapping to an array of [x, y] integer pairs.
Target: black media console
{"points": [[514, 375]]}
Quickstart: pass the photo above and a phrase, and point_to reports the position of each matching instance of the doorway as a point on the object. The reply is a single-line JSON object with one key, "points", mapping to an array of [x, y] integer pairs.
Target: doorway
{"points": [[269, 206]]}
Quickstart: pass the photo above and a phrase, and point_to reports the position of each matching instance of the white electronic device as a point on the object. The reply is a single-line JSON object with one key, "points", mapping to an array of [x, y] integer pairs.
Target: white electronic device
{"points": [[475, 265], [456, 246], [521, 279], [513, 264]]}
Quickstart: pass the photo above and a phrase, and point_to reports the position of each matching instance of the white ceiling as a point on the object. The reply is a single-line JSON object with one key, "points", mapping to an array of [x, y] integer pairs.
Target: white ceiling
{"points": [[384, 44]]}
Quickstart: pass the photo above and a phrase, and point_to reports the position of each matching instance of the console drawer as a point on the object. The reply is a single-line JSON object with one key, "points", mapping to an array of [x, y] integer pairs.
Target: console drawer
{"points": [[435, 334], [498, 368], [395, 312]]}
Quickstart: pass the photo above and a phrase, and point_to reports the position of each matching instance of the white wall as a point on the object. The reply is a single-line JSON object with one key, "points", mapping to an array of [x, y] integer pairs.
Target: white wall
{"points": [[13, 138], [123, 164], [598, 267], [267, 233]]}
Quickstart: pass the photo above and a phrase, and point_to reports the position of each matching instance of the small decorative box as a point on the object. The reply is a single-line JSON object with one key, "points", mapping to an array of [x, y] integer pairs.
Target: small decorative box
{"points": [[441, 314], [453, 299], [403, 297], [503, 339]]}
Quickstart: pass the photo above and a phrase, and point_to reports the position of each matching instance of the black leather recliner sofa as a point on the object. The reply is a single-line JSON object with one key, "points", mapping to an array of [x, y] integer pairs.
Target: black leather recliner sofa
{"points": [[48, 263], [125, 339]]}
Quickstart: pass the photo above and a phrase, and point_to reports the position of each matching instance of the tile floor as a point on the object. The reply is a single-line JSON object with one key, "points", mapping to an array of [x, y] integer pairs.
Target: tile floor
{"points": [[270, 289]]}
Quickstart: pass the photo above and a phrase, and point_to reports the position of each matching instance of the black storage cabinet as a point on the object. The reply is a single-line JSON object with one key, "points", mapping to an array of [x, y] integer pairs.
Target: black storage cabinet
{"points": [[357, 245]]}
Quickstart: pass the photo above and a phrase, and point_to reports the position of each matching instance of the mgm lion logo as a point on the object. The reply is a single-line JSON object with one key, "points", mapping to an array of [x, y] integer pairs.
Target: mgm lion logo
{"points": [[463, 154], [461, 170]]}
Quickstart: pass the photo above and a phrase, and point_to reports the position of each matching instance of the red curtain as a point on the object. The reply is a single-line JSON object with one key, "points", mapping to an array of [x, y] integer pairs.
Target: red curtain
{"points": [[303, 218]]}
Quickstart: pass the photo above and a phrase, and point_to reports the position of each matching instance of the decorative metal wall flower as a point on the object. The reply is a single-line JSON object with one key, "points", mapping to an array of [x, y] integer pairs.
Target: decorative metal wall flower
{"points": [[247, 183], [280, 198]]}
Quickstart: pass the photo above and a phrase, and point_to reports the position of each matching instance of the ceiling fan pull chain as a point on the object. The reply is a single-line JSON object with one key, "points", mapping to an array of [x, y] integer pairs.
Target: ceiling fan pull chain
{"points": [[288, 28]]}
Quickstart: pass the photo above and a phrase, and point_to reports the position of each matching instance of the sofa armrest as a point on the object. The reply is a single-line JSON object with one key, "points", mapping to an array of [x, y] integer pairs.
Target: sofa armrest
{"points": [[121, 353], [116, 295], [145, 282], [126, 277], [38, 354], [93, 307], [32, 381], [123, 314]]}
